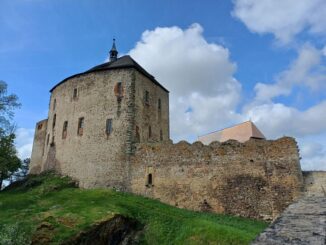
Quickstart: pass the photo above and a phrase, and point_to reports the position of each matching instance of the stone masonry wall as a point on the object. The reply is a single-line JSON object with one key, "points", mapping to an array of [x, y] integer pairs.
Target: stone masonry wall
{"points": [[38, 147], [315, 183], [96, 159], [256, 179]]}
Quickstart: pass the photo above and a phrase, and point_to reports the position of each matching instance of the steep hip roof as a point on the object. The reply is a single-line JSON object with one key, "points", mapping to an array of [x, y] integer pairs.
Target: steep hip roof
{"points": [[240, 132], [122, 62]]}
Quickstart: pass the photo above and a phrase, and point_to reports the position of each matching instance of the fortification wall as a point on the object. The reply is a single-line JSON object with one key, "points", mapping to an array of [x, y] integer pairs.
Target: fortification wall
{"points": [[38, 147], [314, 183], [256, 179]]}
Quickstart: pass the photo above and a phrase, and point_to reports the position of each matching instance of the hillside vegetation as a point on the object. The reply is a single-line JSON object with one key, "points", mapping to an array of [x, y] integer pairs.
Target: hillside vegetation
{"points": [[49, 209]]}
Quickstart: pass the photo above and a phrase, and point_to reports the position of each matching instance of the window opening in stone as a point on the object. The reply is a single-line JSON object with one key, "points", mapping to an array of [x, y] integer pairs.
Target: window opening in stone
{"points": [[159, 106], [80, 126], [54, 120], [149, 132], [108, 126], [149, 180], [52, 141], [64, 130], [75, 93], [39, 127], [146, 97], [137, 135]]}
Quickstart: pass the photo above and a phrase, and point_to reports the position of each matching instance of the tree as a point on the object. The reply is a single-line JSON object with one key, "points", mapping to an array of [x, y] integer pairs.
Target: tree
{"points": [[9, 162], [22, 172], [7, 105]]}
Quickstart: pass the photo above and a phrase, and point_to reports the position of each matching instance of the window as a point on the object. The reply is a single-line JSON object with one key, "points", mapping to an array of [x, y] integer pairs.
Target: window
{"points": [[75, 94], [39, 127], [159, 111], [52, 142], [80, 126], [146, 97], [54, 104], [149, 132], [54, 120], [159, 106], [108, 126], [161, 135], [137, 134], [149, 180], [64, 130]]}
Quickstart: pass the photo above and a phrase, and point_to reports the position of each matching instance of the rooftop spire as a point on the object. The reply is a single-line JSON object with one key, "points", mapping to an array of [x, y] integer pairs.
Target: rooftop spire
{"points": [[113, 52]]}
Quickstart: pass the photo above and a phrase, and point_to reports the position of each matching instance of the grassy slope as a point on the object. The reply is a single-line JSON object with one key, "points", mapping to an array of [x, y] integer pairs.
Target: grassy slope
{"points": [[54, 200]]}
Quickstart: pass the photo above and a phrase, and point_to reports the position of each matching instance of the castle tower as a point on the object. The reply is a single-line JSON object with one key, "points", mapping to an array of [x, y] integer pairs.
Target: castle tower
{"points": [[95, 119]]}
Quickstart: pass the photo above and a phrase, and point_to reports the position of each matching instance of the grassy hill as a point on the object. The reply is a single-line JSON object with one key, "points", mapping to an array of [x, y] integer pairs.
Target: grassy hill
{"points": [[49, 209]]}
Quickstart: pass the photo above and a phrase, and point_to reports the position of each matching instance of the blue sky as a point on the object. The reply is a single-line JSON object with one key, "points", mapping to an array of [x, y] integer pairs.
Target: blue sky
{"points": [[223, 61]]}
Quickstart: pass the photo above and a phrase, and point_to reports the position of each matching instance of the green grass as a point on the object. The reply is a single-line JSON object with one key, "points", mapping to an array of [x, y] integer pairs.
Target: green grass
{"points": [[54, 200]]}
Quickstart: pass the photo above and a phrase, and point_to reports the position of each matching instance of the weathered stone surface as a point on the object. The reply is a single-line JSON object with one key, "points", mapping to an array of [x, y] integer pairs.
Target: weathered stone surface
{"points": [[303, 222], [315, 183], [96, 159], [256, 179]]}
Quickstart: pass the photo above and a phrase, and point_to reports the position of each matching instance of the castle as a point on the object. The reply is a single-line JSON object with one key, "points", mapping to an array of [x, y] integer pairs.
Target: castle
{"points": [[109, 127]]}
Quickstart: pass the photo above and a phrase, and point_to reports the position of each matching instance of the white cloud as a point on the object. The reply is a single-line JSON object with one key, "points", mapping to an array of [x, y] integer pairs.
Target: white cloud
{"points": [[205, 95], [24, 142], [204, 92], [283, 18], [306, 70], [278, 119]]}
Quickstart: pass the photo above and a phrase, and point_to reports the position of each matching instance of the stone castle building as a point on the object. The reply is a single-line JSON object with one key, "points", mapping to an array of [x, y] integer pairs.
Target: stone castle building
{"points": [[109, 127]]}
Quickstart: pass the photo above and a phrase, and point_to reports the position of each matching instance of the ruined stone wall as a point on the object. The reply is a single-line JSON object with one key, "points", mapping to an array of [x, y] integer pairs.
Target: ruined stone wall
{"points": [[256, 179], [38, 147], [315, 183]]}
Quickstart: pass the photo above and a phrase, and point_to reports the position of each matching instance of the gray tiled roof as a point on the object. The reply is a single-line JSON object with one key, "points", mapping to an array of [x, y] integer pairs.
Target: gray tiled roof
{"points": [[122, 62]]}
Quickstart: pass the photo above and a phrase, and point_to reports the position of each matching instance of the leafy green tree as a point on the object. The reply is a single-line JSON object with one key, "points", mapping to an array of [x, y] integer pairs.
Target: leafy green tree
{"points": [[9, 162]]}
